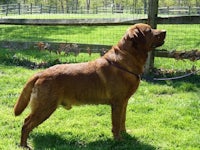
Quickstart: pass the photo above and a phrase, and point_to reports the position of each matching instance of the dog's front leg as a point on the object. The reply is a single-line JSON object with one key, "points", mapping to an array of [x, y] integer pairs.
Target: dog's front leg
{"points": [[123, 121], [117, 113]]}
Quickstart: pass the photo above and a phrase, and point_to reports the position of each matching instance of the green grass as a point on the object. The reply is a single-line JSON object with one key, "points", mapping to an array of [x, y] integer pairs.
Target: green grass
{"points": [[179, 37], [161, 115]]}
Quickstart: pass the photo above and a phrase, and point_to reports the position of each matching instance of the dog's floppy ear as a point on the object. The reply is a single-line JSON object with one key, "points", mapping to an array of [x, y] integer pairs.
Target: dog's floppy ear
{"points": [[137, 37]]}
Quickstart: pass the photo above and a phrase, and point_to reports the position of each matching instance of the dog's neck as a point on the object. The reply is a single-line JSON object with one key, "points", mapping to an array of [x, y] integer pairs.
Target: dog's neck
{"points": [[124, 60], [123, 69]]}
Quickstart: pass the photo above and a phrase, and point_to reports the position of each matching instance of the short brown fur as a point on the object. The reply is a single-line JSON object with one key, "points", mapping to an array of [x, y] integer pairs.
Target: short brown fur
{"points": [[111, 79]]}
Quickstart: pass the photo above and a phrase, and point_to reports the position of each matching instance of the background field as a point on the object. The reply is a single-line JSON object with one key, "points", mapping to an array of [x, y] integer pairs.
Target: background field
{"points": [[179, 37]]}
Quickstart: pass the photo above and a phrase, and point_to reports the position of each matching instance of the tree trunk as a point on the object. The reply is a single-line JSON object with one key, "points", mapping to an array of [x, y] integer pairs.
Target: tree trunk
{"points": [[88, 5], [67, 6], [76, 5], [62, 7], [145, 6]]}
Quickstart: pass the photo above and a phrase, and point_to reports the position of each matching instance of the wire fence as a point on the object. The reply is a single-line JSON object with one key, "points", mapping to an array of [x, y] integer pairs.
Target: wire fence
{"points": [[83, 30], [22, 9], [107, 17]]}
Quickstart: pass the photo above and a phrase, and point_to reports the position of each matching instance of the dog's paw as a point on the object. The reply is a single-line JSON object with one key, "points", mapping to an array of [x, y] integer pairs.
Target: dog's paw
{"points": [[26, 147]]}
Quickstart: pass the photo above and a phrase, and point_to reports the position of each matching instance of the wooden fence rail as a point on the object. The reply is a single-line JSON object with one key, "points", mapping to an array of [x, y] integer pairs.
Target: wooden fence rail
{"points": [[192, 55], [106, 21], [191, 16]]}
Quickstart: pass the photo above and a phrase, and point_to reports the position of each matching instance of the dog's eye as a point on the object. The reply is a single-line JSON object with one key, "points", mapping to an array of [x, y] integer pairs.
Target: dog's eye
{"points": [[148, 30], [157, 37]]}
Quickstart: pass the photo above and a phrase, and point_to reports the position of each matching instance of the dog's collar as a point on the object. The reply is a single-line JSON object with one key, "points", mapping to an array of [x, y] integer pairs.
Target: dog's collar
{"points": [[123, 69]]}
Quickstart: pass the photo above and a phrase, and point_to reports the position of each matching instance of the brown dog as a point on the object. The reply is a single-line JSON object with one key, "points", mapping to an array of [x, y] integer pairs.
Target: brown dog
{"points": [[111, 79]]}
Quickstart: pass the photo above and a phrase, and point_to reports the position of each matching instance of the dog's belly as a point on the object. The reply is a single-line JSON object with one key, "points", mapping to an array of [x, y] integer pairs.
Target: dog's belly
{"points": [[86, 100], [91, 92]]}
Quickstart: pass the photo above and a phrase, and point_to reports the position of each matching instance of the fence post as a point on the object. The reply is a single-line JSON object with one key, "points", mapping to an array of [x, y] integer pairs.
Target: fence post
{"points": [[145, 6], [167, 10], [41, 9], [19, 8], [56, 9], [7, 7], [152, 21], [49, 9], [31, 11], [96, 10], [189, 10]]}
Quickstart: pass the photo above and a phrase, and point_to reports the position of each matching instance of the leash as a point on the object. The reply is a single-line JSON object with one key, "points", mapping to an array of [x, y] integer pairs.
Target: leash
{"points": [[123, 69], [178, 77]]}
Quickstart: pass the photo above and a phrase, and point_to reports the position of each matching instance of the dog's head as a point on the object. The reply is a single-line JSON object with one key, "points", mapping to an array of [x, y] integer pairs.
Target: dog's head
{"points": [[142, 37]]}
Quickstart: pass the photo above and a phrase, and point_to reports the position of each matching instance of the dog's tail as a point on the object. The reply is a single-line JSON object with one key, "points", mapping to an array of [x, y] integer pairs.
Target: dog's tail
{"points": [[25, 95]]}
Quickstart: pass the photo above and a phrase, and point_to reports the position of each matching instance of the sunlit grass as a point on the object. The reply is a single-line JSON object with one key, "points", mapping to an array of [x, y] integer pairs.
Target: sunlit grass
{"points": [[161, 115], [179, 37]]}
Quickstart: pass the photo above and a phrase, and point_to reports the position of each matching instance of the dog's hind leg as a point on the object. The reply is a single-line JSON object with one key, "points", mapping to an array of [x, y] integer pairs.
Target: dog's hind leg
{"points": [[36, 117]]}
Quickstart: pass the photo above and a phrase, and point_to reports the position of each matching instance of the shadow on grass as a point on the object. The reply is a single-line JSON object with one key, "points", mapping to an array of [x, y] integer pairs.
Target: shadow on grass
{"points": [[9, 58], [29, 64], [54, 141]]}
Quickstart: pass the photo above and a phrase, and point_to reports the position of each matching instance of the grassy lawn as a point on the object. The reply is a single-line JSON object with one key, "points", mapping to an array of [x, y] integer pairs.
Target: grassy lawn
{"points": [[161, 115], [179, 37]]}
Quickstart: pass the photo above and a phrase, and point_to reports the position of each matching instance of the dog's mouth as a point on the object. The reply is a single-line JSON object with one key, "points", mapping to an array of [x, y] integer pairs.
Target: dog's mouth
{"points": [[159, 39], [158, 44]]}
